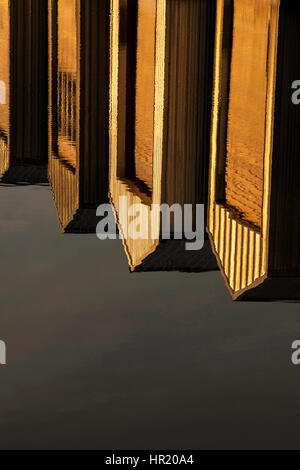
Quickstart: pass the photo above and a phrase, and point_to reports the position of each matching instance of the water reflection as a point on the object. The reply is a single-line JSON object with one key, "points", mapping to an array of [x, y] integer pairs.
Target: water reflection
{"points": [[144, 90], [157, 152], [23, 76], [67, 79], [254, 225], [156, 74], [4, 77], [78, 111], [247, 108], [63, 99]]}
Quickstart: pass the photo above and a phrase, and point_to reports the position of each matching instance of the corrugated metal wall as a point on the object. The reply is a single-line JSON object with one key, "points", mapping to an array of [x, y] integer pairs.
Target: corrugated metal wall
{"points": [[239, 248], [64, 184]]}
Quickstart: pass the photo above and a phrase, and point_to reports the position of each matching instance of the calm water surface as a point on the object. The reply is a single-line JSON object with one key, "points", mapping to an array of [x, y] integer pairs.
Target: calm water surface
{"points": [[104, 359]]}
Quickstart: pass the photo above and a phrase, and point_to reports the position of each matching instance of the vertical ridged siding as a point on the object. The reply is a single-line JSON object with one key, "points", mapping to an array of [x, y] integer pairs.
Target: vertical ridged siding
{"points": [[78, 91], [94, 101], [64, 186], [239, 248], [4, 155], [63, 175], [66, 91], [190, 32]]}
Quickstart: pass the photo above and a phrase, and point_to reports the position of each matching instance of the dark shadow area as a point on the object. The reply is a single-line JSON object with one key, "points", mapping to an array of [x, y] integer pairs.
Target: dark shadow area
{"points": [[29, 174], [171, 255]]}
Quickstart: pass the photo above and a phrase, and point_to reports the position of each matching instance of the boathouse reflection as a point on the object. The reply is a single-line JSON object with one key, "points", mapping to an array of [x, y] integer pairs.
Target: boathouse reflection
{"points": [[23, 77], [79, 96], [161, 76], [254, 193]]}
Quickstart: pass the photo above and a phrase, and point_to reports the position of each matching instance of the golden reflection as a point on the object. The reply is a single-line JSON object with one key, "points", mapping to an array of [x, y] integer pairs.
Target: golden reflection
{"points": [[23, 90], [159, 87], [67, 76], [78, 121], [144, 93], [132, 94], [4, 65], [4, 78], [63, 174], [247, 108], [238, 221]]}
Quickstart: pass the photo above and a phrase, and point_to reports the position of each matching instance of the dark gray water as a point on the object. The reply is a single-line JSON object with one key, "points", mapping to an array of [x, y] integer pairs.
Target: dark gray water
{"points": [[100, 358]]}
